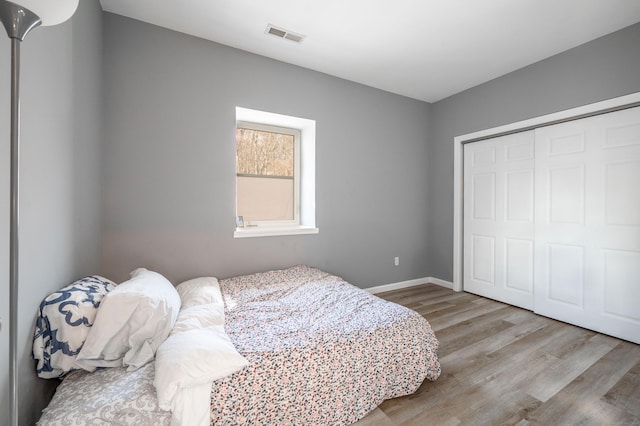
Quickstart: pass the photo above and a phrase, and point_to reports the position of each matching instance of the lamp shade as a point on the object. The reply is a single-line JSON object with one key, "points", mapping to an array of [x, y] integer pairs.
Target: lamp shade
{"points": [[50, 12]]}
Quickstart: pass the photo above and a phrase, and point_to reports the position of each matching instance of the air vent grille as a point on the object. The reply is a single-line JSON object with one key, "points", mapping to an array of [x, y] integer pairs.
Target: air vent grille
{"points": [[284, 34], [294, 37]]}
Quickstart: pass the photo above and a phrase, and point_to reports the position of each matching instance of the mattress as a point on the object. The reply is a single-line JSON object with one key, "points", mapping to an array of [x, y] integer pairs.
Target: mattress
{"points": [[320, 351]]}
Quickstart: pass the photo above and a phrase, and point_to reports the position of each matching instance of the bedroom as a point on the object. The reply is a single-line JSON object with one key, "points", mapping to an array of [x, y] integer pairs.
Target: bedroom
{"points": [[106, 187]]}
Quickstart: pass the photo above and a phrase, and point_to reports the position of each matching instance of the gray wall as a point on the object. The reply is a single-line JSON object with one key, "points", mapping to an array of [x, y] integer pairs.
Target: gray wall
{"points": [[60, 237], [602, 69], [170, 163]]}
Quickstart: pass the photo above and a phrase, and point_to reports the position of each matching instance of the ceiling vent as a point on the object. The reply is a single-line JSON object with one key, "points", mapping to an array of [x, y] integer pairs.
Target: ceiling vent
{"points": [[285, 34]]}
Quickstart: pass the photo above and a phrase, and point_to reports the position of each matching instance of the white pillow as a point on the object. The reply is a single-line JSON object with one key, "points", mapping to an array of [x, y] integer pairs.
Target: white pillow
{"points": [[200, 291], [200, 316], [132, 322], [192, 358]]}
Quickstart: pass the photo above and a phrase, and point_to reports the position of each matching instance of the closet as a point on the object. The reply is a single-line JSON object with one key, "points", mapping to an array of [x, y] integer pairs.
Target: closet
{"points": [[552, 221]]}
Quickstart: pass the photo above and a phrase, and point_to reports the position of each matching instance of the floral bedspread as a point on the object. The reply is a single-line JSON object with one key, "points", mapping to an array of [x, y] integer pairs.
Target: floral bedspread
{"points": [[321, 352]]}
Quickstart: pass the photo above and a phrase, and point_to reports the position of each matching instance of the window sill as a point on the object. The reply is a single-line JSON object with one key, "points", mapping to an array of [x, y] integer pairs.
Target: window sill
{"points": [[253, 232]]}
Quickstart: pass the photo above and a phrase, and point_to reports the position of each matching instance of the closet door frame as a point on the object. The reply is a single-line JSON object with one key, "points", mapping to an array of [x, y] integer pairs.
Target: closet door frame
{"points": [[602, 107]]}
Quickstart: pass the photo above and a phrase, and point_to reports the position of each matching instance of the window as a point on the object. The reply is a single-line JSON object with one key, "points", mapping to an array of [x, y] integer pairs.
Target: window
{"points": [[267, 174], [275, 174]]}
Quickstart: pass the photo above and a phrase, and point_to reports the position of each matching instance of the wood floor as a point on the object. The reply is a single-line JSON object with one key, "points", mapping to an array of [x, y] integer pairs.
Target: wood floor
{"points": [[502, 365]]}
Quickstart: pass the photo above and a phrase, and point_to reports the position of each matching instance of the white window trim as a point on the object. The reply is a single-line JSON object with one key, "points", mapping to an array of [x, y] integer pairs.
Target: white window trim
{"points": [[307, 174], [273, 231]]}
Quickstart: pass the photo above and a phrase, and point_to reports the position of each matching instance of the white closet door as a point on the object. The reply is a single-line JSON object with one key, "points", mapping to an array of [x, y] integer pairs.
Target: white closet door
{"points": [[499, 218], [587, 214]]}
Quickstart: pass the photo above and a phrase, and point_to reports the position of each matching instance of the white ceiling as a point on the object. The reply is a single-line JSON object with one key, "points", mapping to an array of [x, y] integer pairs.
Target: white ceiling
{"points": [[423, 49]]}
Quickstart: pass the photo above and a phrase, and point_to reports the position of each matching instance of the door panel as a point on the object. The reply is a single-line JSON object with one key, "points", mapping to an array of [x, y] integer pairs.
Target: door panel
{"points": [[498, 218], [621, 272], [566, 195], [566, 274], [587, 214], [484, 259], [519, 196], [483, 189], [519, 264], [622, 200]]}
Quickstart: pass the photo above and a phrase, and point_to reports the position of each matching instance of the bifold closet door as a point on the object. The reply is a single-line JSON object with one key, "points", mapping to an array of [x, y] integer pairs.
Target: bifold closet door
{"points": [[499, 218], [587, 214]]}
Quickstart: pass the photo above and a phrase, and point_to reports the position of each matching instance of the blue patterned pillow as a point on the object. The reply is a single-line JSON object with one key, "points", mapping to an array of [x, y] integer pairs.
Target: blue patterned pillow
{"points": [[63, 322]]}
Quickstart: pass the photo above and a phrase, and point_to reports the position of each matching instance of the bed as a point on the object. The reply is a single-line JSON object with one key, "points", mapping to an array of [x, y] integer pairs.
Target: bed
{"points": [[318, 349]]}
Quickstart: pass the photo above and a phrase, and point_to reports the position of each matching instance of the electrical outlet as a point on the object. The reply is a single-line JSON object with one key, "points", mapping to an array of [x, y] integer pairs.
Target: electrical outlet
{"points": [[396, 260]]}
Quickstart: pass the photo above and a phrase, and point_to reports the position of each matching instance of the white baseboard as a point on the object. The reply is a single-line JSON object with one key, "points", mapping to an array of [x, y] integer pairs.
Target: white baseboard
{"points": [[410, 283], [441, 283]]}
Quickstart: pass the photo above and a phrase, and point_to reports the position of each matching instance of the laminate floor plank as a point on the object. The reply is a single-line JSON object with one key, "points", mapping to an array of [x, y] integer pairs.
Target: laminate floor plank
{"points": [[626, 393], [501, 409], [503, 365], [546, 384], [376, 418], [480, 331], [512, 356], [451, 297], [427, 309], [443, 319], [573, 403], [417, 293]]}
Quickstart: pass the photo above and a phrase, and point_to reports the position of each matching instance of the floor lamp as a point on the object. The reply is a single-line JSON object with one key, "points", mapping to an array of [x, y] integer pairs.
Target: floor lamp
{"points": [[19, 18]]}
